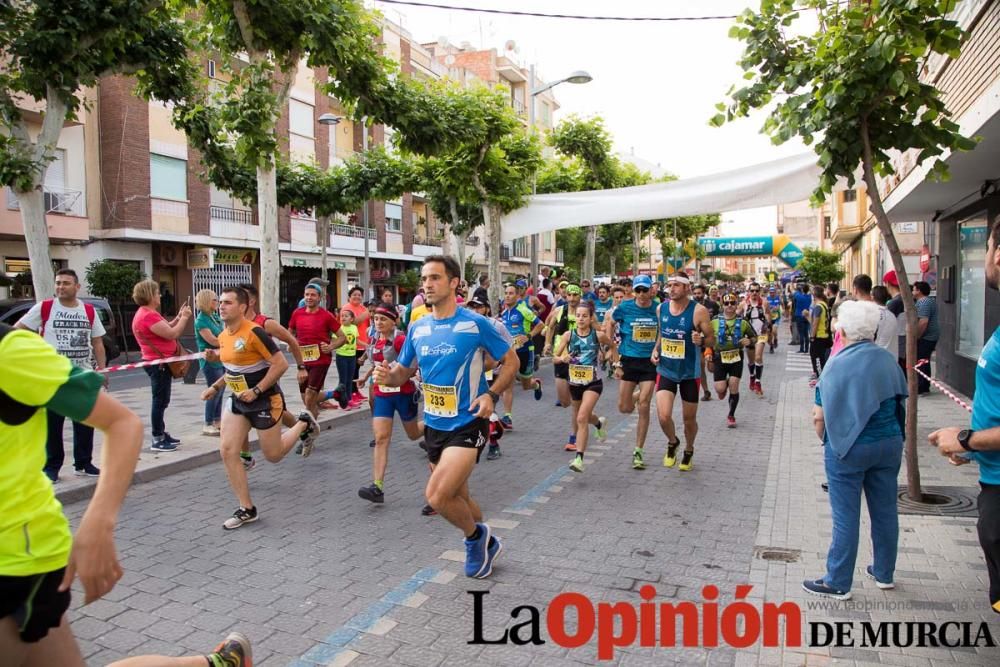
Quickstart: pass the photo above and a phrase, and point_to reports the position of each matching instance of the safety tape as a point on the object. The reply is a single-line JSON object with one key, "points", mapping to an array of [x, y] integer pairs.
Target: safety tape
{"points": [[155, 362], [947, 392]]}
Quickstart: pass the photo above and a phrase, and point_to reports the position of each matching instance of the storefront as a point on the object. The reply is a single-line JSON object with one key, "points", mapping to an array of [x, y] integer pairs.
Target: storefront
{"points": [[298, 269]]}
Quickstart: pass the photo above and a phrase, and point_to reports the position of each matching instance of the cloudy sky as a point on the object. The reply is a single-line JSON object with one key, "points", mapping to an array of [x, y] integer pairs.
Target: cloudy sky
{"points": [[655, 83]]}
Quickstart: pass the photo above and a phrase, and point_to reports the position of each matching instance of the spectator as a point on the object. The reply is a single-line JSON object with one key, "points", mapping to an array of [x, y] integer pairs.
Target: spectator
{"points": [[880, 295], [158, 339], [354, 304], [74, 330], [801, 303], [207, 327], [859, 413], [928, 329], [481, 293], [885, 335], [895, 306], [820, 339], [832, 292]]}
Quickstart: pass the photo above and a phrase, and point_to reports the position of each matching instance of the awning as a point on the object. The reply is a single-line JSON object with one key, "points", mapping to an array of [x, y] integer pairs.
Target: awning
{"points": [[312, 260]]}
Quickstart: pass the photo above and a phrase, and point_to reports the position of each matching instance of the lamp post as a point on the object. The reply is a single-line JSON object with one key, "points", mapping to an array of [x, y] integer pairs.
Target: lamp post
{"points": [[324, 221], [578, 76]]}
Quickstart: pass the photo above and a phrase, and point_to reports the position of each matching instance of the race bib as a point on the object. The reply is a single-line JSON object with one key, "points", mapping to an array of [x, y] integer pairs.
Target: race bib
{"points": [[671, 349], [762, 338], [440, 401], [642, 334], [520, 340], [730, 356], [581, 374], [489, 375], [236, 383], [389, 390], [310, 352]]}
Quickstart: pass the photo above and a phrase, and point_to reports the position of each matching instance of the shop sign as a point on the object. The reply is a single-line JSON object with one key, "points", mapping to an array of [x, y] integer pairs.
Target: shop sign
{"points": [[905, 227], [235, 256], [200, 258], [340, 265], [299, 262]]}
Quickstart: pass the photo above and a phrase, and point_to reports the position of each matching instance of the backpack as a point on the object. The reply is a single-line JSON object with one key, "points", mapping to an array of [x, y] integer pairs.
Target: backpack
{"points": [[47, 313]]}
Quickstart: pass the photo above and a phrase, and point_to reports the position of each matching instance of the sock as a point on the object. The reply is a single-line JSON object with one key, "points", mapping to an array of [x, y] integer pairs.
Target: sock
{"points": [[734, 400], [758, 372], [245, 455], [572, 439], [579, 455], [507, 414], [378, 483], [476, 534], [753, 371]]}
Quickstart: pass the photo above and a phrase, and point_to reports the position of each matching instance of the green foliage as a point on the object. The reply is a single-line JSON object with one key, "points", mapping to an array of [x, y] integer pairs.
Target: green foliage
{"points": [[408, 280], [587, 140], [112, 280], [820, 266]]}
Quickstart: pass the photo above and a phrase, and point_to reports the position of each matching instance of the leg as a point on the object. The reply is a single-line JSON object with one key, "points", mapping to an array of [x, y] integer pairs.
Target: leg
{"points": [[213, 406], [704, 379], [474, 509], [734, 395], [444, 487], [689, 411], [664, 412], [759, 357], [159, 404], [585, 417], [626, 391], [275, 445], [925, 348], [880, 493], [645, 398], [562, 390], [508, 401], [235, 429], [58, 647], [414, 429], [988, 528], [814, 358], [54, 450], [382, 429], [311, 400], [720, 389], [845, 480], [83, 445]]}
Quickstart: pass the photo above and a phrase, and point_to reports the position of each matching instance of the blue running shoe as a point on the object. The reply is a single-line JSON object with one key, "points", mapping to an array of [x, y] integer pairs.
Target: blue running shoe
{"points": [[492, 553], [507, 422], [477, 553], [538, 389]]}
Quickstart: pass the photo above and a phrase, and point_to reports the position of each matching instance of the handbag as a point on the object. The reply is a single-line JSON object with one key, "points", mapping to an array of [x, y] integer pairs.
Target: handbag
{"points": [[178, 369]]}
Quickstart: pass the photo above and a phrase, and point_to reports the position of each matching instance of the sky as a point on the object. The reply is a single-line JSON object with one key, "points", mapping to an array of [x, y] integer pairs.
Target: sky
{"points": [[654, 83]]}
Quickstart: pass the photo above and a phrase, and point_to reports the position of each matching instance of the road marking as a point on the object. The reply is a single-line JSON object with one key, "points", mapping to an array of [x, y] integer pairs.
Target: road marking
{"points": [[533, 494]]}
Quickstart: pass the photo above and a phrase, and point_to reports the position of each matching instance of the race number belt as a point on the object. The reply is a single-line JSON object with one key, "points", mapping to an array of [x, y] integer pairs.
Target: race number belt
{"points": [[236, 383], [645, 334], [730, 356], [671, 349], [440, 401], [310, 352], [519, 341], [579, 374], [762, 338], [389, 390]]}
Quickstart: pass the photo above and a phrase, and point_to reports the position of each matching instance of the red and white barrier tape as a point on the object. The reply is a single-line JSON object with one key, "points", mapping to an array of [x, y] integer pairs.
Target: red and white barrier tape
{"points": [[154, 362], [947, 392]]}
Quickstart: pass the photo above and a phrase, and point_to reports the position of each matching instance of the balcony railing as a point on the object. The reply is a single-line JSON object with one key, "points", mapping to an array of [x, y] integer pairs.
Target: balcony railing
{"points": [[428, 240], [472, 240], [560, 255], [228, 214], [505, 252], [56, 200], [519, 248], [518, 107], [352, 231]]}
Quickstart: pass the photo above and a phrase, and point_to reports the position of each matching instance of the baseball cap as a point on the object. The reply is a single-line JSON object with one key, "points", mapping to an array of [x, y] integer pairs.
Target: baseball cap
{"points": [[476, 302], [573, 289], [679, 278], [890, 278], [521, 284], [563, 283], [642, 281]]}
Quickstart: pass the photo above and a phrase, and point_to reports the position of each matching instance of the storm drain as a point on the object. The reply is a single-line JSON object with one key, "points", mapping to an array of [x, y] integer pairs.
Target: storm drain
{"points": [[778, 554], [941, 501]]}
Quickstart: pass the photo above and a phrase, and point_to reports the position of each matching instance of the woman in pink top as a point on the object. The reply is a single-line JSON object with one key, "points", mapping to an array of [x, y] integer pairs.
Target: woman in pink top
{"points": [[354, 304], [157, 339]]}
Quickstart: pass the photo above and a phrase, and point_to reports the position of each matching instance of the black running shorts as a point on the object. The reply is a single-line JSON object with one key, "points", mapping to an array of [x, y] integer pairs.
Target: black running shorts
{"points": [[723, 371], [471, 436], [638, 369], [262, 413], [34, 602], [561, 371], [576, 391], [689, 389]]}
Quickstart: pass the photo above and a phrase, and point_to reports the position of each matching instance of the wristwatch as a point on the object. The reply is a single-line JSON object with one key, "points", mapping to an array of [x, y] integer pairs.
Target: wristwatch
{"points": [[493, 395], [963, 439], [301, 367], [257, 391]]}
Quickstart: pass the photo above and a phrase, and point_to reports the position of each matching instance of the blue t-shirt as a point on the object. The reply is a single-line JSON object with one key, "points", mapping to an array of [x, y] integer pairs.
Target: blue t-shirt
{"points": [[986, 406], [214, 324], [800, 302], [637, 327], [451, 366], [601, 309], [927, 307], [678, 354], [774, 303], [519, 321], [886, 423], [584, 349]]}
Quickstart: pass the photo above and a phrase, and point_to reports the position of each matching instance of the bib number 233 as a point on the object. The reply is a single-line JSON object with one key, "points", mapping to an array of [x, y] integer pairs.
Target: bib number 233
{"points": [[440, 401]]}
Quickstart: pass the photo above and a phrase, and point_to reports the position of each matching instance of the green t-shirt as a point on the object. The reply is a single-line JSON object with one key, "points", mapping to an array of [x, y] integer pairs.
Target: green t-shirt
{"points": [[350, 348], [34, 534], [724, 338], [213, 324]]}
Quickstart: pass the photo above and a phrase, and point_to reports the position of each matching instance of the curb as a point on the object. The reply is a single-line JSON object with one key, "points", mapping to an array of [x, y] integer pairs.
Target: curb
{"points": [[79, 493]]}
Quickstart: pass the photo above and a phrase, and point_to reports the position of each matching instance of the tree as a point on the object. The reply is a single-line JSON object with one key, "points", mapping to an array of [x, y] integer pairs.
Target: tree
{"points": [[854, 87], [50, 53], [113, 280], [820, 266]]}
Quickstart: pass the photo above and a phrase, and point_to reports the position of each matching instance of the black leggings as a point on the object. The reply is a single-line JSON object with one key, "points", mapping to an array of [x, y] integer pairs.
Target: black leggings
{"points": [[819, 351], [989, 537]]}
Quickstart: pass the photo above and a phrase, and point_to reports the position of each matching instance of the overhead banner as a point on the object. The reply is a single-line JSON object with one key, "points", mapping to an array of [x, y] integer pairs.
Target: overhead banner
{"points": [[779, 246]]}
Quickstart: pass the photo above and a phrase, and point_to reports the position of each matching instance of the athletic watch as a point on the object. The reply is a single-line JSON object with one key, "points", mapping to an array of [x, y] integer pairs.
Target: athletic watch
{"points": [[963, 439], [301, 367], [493, 395]]}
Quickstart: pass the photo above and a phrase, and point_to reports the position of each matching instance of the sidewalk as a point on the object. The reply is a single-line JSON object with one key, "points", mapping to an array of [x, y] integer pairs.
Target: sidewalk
{"points": [[184, 420], [940, 573]]}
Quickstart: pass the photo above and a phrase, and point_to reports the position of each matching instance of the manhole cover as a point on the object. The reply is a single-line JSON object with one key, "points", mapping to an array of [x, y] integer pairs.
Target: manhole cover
{"points": [[941, 501], [777, 554]]}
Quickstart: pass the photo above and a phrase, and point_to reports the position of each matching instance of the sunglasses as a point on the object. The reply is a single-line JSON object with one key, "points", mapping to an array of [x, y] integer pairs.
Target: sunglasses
{"points": [[640, 290], [729, 302], [755, 291]]}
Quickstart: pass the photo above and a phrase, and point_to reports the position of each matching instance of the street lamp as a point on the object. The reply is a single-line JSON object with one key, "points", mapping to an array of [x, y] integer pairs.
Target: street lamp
{"points": [[324, 221], [578, 76]]}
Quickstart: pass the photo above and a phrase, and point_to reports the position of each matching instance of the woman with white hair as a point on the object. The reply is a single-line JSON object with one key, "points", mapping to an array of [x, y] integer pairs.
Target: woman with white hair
{"points": [[859, 414]]}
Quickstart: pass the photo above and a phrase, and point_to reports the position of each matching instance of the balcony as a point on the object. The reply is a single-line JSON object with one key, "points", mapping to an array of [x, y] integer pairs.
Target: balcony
{"points": [[65, 216], [519, 107], [520, 250], [57, 200], [435, 241], [560, 255], [352, 231], [505, 252], [351, 237], [237, 215], [472, 240], [233, 223]]}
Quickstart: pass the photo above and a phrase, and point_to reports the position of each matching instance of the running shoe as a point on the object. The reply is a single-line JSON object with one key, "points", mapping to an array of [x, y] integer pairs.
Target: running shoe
{"points": [[170, 438], [249, 463], [163, 446], [670, 458], [343, 398], [686, 463], [241, 516], [637, 463], [372, 493], [538, 389], [507, 422], [493, 453], [730, 422], [884, 585], [706, 397], [602, 428], [310, 434], [558, 403], [819, 588], [371, 443], [428, 511], [477, 551], [89, 470], [233, 651], [760, 389], [210, 429], [569, 447], [493, 550], [576, 465]]}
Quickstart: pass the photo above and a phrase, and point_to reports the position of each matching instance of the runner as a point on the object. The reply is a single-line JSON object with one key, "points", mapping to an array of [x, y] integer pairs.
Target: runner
{"points": [[523, 324], [253, 366], [713, 312], [732, 334], [755, 311], [389, 401], [36, 576], [318, 333], [457, 402], [637, 324], [776, 304], [563, 319], [683, 326], [481, 307], [578, 350]]}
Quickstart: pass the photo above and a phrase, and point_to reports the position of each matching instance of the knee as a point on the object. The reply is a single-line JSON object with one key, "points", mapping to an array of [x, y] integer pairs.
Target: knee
{"points": [[436, 496], [644, 403], [690, 423], [271, 456], [582, 422]]}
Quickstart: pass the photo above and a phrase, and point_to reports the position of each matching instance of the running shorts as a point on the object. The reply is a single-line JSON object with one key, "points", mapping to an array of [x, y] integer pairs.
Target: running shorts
{"points": [[561, 371], [689, 389], [262, 413], [404, 404], [638, 369], [724, 371], [526, 361], [473, 435], [316, 379], [576, 391], [34, 602]]}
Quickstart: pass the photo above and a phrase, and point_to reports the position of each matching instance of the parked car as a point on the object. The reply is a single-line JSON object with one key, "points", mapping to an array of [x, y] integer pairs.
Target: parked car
{"points": [[11, 310]]}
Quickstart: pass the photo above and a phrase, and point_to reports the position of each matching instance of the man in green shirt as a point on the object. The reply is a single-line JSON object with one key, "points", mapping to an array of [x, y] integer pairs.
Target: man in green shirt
{"points": [[732, 334]]}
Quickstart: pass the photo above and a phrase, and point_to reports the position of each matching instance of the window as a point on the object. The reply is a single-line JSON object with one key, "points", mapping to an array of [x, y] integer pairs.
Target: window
{"points": [[971, 285], [547, 241], [300, 118], [826, 227], [167, 177], [850, 195], [393, 217]]}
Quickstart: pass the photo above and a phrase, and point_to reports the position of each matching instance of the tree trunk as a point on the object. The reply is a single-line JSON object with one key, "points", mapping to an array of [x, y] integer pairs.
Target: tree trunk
{"points": [[460, 244], [492, 217], [270, 264], [611, 268], [36, 237], [636, 233], [910, 308], [588, 258], [324, 241]]}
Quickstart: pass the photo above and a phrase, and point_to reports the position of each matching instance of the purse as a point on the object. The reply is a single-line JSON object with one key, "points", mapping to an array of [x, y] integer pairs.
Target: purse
{"points": [[178, 369]]}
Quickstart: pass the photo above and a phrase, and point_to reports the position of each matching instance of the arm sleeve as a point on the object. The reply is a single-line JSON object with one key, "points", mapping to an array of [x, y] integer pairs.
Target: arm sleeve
{"points": [[292, 321], [97, 330], [617, 316], [491, 340], [334, 322], [924, 309], [266, 344], [818, 400], [33, 318]]}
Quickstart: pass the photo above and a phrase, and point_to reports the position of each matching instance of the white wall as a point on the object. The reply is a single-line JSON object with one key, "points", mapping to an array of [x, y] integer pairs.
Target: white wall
{"points": [[79, 257]]}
